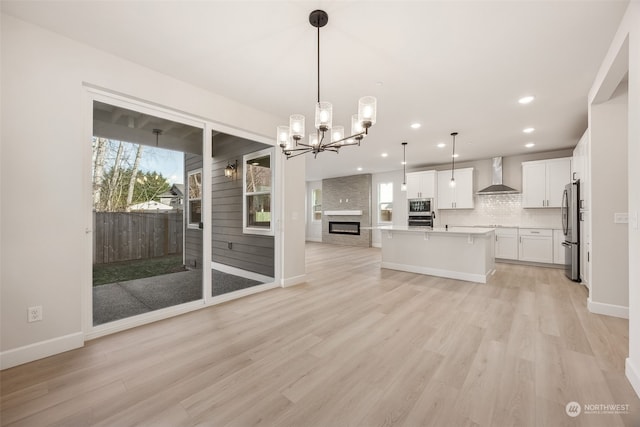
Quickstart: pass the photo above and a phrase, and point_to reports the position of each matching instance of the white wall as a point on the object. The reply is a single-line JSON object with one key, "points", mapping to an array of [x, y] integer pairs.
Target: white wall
{"points": [[294, 221], [627, 41], [609, 241], [45, 115], [314, 228]]}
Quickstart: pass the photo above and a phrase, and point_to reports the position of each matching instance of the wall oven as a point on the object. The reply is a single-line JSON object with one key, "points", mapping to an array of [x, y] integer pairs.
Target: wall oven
{"points": [[419, 207], [420, 221]]}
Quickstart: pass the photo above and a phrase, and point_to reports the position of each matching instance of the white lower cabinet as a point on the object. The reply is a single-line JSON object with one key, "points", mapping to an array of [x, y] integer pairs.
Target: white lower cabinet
{"points": [[558, 249], [536, 245], [506, 243]]}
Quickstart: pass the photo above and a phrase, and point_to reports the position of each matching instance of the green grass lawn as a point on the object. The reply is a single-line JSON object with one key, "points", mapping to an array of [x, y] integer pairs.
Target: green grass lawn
{"points": [[138, 269]]}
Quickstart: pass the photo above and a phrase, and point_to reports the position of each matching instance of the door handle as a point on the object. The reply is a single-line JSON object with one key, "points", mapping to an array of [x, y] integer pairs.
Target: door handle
{"points": [[566, 244]]}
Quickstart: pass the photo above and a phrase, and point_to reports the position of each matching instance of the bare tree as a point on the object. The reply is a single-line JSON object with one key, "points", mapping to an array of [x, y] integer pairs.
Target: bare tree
{"points": [[134, 173], [113, 185], [98, 169]]}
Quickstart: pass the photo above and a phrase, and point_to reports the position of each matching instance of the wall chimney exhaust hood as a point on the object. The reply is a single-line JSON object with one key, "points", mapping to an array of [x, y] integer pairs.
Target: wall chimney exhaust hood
{"points": [[496, 186]]}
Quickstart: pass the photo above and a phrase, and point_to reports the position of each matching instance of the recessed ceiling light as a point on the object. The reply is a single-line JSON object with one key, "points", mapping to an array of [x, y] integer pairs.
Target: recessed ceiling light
{"points": [[526, 99], [415, 125], [529, 144], [379, 83], [455, 155], [403, 163], [442, 145], [359, 169], [528, 130], [384, 154]]}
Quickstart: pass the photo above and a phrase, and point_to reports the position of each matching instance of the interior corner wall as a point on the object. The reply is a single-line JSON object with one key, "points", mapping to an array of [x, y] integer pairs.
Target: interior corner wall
{"points": [[633, 362], [609, 195], [293, 220], [45, 149], [629, 29], [400, 207]]}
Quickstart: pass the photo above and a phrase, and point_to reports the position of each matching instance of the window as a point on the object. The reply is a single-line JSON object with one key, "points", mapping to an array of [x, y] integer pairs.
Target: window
{"points": [[258, 178], [316, 204], [194, 196], [385, 202]]}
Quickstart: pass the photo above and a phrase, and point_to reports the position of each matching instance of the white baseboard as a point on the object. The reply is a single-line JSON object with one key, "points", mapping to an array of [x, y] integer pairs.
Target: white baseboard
{"points": [[40, 350], [292, 281], [469, 277], [608, 309], [240, 272], [633, 375]]}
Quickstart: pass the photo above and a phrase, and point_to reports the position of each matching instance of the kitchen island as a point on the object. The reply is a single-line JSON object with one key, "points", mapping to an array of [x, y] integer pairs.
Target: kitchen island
{"points": [[462, 253]]}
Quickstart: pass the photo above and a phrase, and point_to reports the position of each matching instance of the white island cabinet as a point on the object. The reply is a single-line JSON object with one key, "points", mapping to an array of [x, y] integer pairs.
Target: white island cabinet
{"points": [[457, 253]]}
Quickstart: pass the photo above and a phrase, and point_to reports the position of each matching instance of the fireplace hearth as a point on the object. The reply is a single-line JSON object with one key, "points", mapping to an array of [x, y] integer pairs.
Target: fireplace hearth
{"points": [[344, 227]]}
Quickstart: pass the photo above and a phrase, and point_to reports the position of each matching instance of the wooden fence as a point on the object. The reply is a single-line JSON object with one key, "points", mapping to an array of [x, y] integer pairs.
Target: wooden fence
{"points": [[124, 236]]}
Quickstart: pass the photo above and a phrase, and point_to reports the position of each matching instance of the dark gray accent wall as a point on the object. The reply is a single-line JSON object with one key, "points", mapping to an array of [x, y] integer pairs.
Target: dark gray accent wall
{"points": [[347, 193], [248, 251], [193, 236]]}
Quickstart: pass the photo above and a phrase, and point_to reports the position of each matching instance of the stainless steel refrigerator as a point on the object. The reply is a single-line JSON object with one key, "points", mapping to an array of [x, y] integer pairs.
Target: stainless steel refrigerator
{"points": [[571, 230]]}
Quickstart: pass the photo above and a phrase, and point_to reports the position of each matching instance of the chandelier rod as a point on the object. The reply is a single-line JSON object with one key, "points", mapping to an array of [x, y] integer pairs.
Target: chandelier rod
{"points": [[318, 65]]}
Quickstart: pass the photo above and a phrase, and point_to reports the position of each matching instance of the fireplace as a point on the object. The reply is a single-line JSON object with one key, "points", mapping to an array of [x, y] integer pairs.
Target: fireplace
{"points": [[343, 227]]}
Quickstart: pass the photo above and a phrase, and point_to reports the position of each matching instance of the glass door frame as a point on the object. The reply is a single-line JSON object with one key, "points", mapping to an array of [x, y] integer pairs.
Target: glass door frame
{"points": [[92, 94]]}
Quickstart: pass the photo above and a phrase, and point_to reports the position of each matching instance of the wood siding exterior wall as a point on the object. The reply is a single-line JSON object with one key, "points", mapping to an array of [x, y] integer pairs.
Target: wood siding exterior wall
{"points": [[249, 252], [193, 236]]}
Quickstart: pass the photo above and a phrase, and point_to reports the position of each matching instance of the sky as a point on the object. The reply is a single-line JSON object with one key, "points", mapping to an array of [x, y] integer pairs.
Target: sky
{"points": [[169, 163]]}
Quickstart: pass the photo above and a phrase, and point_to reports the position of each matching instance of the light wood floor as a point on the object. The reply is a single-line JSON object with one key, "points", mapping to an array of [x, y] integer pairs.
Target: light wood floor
{"points": [[355, 346]]}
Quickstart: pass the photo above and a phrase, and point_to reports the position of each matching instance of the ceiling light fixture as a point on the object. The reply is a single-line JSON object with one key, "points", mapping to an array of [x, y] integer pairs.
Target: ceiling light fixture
{"points": [[384, 154], [526, 99], [529, 144], [528, 130], [442, 145], [290, 137], [403, 187], [359, 169], [415, 125], [452, 183]]}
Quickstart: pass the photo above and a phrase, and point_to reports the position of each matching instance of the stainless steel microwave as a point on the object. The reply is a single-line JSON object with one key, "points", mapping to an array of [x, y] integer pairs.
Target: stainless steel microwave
{"points": [[420, 206]]}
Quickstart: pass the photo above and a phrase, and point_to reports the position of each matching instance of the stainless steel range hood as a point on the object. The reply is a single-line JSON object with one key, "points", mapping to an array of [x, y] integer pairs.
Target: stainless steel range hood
{"points": [[496, 186]]}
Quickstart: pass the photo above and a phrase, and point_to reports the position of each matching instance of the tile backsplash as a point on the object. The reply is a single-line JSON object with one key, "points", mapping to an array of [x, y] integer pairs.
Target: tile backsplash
{"points": [[501, 209]]}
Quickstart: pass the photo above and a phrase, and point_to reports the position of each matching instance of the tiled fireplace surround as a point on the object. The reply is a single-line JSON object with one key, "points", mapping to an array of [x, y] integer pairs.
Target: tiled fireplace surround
{"points": [[347, 193]]}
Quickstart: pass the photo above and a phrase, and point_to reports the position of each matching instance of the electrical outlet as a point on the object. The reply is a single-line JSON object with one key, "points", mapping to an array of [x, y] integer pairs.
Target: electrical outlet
{"points": [[34, 314]]}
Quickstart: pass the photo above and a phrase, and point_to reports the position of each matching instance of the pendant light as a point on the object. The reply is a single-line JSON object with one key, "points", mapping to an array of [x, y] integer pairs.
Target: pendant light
{"points": [[403, 187], [157, 133], [291, 138], [452, 183]]}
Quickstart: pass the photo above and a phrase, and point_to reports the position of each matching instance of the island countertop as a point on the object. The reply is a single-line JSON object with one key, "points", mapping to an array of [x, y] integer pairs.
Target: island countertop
{"points": [[450, 230]]}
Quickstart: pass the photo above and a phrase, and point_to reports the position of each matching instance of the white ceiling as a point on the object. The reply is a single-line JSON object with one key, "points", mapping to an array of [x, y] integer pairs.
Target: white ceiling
{"points": [[452, 66]]}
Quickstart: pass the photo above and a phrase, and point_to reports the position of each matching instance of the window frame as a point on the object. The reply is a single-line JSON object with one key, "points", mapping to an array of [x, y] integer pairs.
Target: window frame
{"points": [[193, 225], [314, 204], [380, 202], [245, 158]]}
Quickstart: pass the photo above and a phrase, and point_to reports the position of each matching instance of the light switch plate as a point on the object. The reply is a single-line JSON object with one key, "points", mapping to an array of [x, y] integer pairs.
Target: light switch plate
{"points": [[621, 218]]}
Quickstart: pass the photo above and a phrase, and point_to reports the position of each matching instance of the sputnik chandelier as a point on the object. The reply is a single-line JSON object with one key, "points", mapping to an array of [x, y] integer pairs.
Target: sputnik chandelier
{"points": [[326, 137]]}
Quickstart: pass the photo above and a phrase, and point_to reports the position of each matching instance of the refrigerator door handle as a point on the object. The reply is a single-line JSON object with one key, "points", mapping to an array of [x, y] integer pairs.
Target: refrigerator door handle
{"points": [[565, 212]]}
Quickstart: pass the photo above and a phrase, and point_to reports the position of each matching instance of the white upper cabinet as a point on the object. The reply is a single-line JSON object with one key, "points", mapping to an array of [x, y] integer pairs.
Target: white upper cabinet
{"points": [[421, 185], [543, 182], [460, 196]]}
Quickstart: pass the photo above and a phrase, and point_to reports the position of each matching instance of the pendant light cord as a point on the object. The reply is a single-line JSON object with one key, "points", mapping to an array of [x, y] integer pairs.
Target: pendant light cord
{"points": [[453, 155], [318, 65]]}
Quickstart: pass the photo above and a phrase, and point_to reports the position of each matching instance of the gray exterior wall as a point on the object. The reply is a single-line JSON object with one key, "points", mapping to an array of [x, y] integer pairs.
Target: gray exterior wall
{"points": [[347, 193], [192, 236], [248, 251]]}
